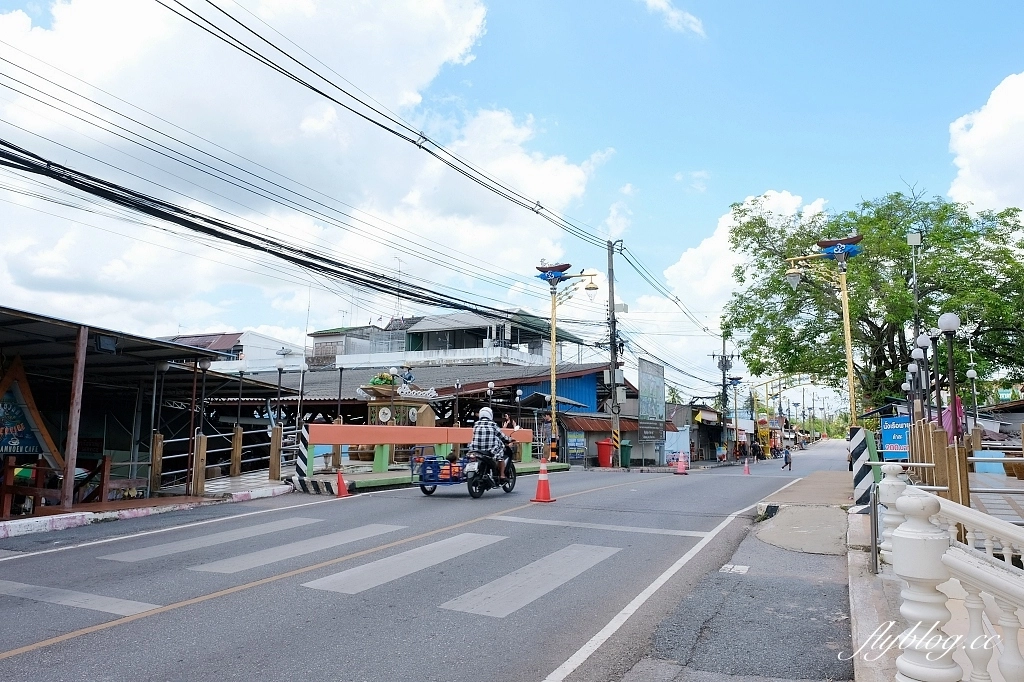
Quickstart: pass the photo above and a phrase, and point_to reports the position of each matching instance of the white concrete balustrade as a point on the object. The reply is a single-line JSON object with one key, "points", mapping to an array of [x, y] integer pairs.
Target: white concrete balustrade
{"points": [[943, 550]]}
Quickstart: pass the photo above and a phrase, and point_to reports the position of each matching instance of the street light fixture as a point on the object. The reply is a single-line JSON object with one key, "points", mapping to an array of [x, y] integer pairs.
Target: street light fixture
{"points": [[555, 275], [839, 250], [948, 324], [519, 406]]}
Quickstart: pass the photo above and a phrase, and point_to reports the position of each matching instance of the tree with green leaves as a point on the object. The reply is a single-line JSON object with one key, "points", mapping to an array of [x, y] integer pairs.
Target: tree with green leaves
{"points": [[969, 263]]}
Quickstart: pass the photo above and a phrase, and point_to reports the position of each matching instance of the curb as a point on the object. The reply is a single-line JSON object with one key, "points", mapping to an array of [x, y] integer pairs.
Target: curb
{"points": [[45, 524]]}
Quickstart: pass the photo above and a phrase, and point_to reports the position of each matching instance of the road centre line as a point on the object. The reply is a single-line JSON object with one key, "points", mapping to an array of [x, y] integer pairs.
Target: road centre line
{"points": [[601, 526], [525, 585], [287, 574], [81, 600], [168, 548], [595, 642]]}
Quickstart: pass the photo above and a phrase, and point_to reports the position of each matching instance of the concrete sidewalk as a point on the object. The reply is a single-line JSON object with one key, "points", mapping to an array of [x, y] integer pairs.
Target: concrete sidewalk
{"points": [[779, 610]]}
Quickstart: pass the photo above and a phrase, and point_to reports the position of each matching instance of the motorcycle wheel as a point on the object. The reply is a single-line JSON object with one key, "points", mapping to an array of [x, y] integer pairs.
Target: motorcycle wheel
{"points": [[428, 489], [476, 486], [510, 475]]}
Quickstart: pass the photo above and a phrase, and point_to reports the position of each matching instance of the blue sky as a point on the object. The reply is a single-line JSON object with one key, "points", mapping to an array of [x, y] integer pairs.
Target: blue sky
{"points": [[813, 100], [834, 100]]}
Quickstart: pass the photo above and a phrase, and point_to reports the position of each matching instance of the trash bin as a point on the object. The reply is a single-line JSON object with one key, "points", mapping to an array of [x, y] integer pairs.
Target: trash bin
{"points": [[625, 448], [604, 452]]}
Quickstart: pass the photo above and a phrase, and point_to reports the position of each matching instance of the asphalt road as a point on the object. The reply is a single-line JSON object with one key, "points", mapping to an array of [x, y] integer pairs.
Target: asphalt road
{"points": [[384, 586]]}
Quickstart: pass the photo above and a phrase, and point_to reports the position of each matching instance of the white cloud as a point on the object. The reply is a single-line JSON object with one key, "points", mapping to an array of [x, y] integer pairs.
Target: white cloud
{"points": [[989, 145], [699, 181], [618, 220], [702, 279], [151, 282], [628, 189], [675, 18]]}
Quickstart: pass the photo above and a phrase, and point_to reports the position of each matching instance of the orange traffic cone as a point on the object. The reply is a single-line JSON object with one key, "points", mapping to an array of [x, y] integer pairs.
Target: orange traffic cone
{"points": [[543, 487], [681, 468], [342, 486], [746, 467]]}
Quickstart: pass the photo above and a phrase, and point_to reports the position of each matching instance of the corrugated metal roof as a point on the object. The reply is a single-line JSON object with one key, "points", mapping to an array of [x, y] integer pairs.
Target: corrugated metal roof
{"points": [[604, 423], [323, 384], [223, 341]]}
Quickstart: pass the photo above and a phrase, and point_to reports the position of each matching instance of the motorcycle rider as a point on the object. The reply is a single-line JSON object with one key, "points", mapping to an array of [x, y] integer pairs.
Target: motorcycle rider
{"points": [[488, 439]]}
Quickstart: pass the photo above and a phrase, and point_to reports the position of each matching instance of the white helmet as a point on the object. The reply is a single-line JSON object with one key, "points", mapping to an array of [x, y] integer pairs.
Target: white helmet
{"points": [[485, 413]]}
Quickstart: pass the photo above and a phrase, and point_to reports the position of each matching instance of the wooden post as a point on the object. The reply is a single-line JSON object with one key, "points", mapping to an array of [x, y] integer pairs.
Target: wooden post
{"points": [[199, 475], [958, 462], [156, 463], [276, 436], [236, 452], [67, 495], [6, 497], [938, 446], [105, 478], [336, 449]]}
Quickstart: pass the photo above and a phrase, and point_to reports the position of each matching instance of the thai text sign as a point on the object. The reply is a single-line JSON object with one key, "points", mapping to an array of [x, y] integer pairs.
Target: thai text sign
{"points": [[895, 437]]}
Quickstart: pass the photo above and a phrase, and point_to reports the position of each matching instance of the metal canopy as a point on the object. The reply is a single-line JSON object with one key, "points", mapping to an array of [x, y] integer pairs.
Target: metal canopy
{"points": [[46, 346]]}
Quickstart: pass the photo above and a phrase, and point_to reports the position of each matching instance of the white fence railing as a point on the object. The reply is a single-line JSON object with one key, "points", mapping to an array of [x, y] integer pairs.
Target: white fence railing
{"points": [[930, 540]]}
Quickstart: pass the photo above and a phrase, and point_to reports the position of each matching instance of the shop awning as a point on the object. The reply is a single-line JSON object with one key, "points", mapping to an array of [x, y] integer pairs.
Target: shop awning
{"points": [[591, 424]]}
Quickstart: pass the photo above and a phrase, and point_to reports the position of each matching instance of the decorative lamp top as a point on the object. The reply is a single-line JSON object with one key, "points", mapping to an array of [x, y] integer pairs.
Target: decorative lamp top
{"points": [[923, 341], [949, 322], [204, 364], [972, 374], [917, 354]]}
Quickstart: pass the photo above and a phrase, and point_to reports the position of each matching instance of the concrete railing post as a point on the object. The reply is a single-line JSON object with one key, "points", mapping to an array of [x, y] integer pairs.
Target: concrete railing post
{"points": [[917, 549], [276, 436], [889, 490], [236, 452], [156, 463]]}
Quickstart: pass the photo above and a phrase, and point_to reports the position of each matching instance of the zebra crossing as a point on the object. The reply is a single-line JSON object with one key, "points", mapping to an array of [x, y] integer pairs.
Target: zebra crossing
{"points": [[497, 599]]}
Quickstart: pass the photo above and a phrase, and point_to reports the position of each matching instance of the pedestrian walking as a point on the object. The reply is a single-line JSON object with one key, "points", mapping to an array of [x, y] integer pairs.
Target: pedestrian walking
{"points": [[787, 459]]}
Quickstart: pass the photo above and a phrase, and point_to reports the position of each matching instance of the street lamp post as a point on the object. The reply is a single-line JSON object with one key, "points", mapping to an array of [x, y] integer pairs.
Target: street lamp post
{"points": [[735, 415], [923, 343], [519, 406], [839, 250], [394, 375], [490, 395], [555, 275], [972, 374], [933, 335], [277, 403], [204, 365], [948, 324], [458, 389]]}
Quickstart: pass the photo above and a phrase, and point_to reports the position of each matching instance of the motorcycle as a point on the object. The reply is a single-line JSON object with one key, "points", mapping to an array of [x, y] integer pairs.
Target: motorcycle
{"points": [[482, 473]]}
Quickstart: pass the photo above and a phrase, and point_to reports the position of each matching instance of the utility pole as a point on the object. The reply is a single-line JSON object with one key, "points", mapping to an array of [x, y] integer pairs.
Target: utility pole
{"points": [[613, 346], [725, 364]]}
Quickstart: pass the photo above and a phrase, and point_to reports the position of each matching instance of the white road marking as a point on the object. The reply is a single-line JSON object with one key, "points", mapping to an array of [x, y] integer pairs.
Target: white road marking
{"points": [[733, 568], [244, 562], [601, 526], [81, 600], [168, 548], [519, 588], [375, 573], [595, 642], [21, 555]]}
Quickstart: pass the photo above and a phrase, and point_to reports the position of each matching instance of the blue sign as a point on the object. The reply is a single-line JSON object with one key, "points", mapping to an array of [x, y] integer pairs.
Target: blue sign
{"points": [[895, 437], [850, 250]]}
